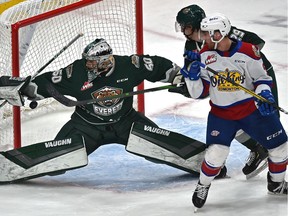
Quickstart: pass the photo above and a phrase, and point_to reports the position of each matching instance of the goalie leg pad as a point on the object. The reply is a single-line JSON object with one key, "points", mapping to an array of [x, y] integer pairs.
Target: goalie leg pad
{"points": [[164, 146], [42, 159]]}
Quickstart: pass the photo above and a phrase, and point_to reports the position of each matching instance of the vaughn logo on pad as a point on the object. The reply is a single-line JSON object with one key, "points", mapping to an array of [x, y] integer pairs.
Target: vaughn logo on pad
{"points": [[58, 143]]}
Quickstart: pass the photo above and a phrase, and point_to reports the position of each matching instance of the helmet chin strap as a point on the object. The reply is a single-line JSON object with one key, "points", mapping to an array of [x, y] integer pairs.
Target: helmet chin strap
{"points": [[215, 41], [203, 41]]}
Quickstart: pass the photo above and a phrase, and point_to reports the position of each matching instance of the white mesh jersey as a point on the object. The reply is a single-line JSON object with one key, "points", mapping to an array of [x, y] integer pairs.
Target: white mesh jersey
{"points": [[244, 66]]}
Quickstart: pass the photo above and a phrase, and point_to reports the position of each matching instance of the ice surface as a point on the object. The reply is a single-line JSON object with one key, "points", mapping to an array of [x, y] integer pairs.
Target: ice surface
{"points": [[116, 183]]}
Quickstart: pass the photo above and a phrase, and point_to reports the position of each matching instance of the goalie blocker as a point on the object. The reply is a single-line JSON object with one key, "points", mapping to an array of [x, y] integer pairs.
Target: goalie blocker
{"points": [[167, 147], [46, 158]]}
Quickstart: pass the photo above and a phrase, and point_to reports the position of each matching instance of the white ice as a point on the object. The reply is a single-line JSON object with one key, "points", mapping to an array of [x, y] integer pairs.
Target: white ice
{"points": [[116, 183]]}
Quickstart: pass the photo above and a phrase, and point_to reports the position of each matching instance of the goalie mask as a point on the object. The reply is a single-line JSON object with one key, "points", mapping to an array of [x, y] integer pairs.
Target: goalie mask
{"points": [[99, 58]]}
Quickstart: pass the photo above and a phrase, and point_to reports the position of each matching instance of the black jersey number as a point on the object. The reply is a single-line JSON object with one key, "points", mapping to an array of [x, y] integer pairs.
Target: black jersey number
{"points": [[237, 34]]}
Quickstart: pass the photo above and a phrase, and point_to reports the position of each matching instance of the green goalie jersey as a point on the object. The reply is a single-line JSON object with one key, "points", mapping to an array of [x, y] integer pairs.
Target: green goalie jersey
{"points": [[128, 72]]}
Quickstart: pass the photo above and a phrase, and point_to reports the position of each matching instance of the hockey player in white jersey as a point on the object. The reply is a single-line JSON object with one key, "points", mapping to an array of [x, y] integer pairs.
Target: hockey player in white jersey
{"points": [[231, 107]]}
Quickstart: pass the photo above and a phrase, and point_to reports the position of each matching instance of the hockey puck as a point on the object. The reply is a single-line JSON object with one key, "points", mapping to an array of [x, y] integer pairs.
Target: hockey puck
{"points": [[33, 104]]}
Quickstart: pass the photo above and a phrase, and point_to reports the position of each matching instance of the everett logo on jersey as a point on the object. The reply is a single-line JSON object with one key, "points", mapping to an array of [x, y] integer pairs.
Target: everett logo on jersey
{"points": [[109, 106], [224, 85]]}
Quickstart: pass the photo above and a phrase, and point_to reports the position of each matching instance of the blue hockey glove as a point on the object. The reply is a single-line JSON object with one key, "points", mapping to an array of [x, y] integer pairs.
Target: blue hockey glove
{"points": [[192, 71], [265, 108], [192, 56]]}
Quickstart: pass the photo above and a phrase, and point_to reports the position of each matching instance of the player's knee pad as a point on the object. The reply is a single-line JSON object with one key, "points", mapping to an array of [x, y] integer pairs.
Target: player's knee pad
{"points": [[216, 155], [278, 154]]}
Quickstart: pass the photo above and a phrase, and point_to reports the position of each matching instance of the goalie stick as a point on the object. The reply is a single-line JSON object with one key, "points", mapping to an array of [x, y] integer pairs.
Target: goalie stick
{"points": [[259, 97], [70, 103]]}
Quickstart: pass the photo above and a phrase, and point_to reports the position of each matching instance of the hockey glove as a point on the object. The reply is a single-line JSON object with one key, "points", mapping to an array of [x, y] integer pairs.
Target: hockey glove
{"points": [[192, 56], [182, 89], [11, 89], [266, 108], [192, 71]]}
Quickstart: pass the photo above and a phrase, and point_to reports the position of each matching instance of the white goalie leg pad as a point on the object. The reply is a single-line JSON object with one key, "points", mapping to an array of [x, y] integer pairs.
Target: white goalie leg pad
{"points": [[11, 170], [164, 146], [278, 155], [143, 147]]}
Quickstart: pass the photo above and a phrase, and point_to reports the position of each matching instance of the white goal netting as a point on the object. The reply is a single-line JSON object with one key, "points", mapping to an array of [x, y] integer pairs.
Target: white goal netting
{"points": [[48, 25]]}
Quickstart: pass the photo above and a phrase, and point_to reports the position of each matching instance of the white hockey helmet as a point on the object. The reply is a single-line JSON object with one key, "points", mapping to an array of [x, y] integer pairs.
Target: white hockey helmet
{"points": [[100, 51], [216, 22]]}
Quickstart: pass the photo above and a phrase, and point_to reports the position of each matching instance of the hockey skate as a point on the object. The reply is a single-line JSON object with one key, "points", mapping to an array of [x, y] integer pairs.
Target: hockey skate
{"points": [[200, 195], [278, 188], [256, 162], [222, 173]]}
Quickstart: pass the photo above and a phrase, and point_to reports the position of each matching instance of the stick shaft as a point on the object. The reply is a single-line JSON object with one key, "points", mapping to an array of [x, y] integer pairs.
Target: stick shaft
{"points": [[70, 103], [57, 55]]}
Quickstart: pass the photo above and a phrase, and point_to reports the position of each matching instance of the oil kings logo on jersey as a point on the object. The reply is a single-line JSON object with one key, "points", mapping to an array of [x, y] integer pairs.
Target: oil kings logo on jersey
{"points": [[109, 106], [156, 130], [56, 143], [210, 59], [223, 85]]}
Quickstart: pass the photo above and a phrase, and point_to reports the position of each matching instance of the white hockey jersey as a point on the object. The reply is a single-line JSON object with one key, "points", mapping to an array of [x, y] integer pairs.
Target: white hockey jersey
{"points": [[243, 65]]}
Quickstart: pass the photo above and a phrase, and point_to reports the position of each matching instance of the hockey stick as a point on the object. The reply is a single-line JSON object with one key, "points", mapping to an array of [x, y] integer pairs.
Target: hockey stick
{"points": [[57, 55], [70, 103], [50, 61], [259, 97]]}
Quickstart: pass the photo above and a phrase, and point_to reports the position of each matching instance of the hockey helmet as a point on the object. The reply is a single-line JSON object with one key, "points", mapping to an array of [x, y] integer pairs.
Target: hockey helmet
{"points": [[216, 22], [190, 15], [99, 50]]}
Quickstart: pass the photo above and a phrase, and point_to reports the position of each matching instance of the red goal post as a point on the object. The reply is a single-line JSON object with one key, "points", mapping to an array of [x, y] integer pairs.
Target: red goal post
{"points": [[32, 32]]}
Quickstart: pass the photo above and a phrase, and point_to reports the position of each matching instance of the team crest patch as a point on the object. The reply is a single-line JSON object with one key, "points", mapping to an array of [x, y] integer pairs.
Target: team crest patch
{"points": [[256, 51], [69, 70], [186, 10], [110, 106], [210, 59], [107, 91], [135, 61], [215, 133]]}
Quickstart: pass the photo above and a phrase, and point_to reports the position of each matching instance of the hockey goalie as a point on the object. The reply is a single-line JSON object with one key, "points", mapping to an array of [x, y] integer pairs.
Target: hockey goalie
{"points": [[98, 74]]}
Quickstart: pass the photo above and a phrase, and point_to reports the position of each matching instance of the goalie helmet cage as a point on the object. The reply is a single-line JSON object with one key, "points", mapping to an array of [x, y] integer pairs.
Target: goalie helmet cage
{"points": [[33, 31]]}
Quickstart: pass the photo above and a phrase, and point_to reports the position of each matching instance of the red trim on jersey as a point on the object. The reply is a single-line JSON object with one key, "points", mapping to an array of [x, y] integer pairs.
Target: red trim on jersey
{"points": [[209, 170], [277, 167], [250, 50], [234, 112]]}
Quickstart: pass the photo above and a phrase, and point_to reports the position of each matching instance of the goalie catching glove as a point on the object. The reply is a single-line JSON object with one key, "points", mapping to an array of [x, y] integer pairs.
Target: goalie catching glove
{"points": [[13, 90]]}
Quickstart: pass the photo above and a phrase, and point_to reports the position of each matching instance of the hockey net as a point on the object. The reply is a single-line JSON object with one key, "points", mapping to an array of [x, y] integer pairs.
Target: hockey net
{"points": [[32, 32]]}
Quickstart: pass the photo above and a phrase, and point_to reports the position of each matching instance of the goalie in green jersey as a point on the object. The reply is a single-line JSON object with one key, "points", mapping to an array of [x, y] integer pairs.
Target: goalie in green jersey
{"points": [[99, 74]]}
